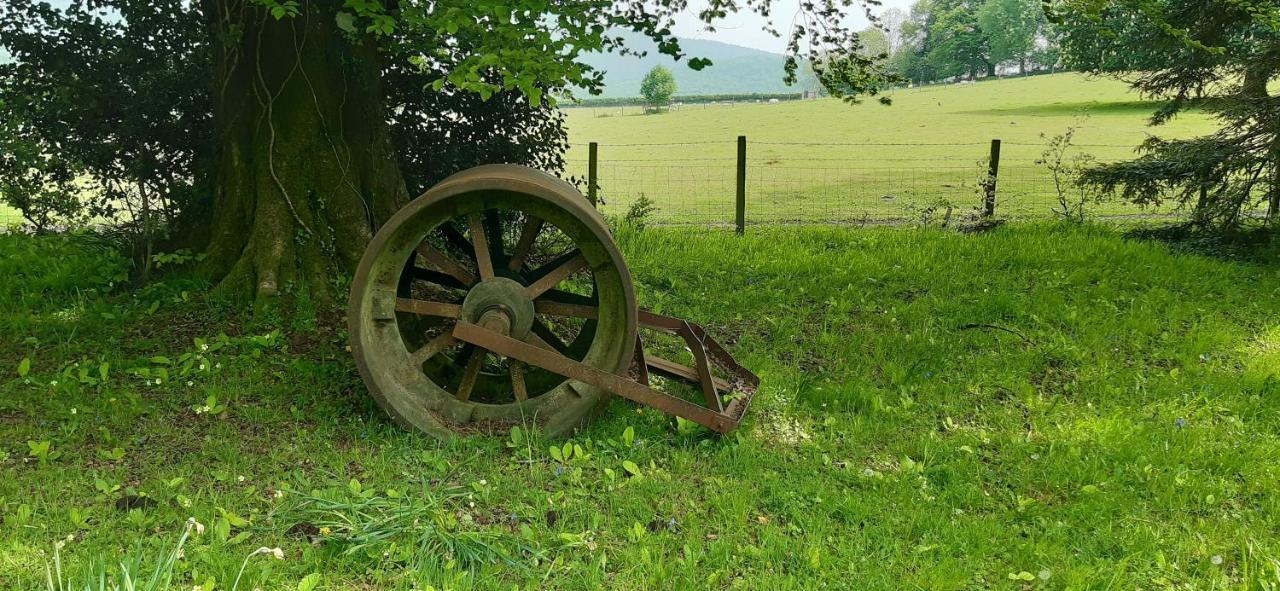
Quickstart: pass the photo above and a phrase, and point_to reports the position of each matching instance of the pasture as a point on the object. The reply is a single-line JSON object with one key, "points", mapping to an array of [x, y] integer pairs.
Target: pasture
{"points": [[827, 161], [1040, 407], [824, 160]]}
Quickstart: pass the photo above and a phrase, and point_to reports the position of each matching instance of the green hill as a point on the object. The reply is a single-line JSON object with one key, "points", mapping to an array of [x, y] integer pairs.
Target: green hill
{"points": [[734, 69]]}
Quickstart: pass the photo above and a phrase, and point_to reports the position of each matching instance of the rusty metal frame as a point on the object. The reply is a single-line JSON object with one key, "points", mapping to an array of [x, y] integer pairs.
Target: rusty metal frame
{"points": [[715, 415]]}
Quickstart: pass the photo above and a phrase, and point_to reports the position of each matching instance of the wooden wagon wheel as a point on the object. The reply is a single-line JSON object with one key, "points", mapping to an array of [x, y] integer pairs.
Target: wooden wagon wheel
{"points": [[507, 248]]}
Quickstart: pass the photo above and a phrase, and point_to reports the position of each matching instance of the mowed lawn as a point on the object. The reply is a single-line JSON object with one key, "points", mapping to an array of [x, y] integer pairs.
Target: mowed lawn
{"points": [[932, 146], [1040, 407]]}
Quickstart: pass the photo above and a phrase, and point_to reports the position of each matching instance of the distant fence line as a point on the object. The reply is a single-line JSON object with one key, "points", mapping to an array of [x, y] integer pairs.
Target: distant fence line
{"points": [[696, 99], [739, 183]]}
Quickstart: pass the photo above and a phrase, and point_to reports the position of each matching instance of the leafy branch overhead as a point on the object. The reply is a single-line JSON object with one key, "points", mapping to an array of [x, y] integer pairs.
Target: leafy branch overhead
{"points": [[533, 46]]}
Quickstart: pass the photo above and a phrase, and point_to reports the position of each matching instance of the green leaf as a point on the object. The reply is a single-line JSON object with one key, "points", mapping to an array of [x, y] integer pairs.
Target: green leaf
{"points": [[222, 529], [24, 367], [629, 436], [631, 467], [347, 23], [567, 450], [160, 360], [309, 582], [556, 455], [517, 437], [104, 370], [232, 518]]}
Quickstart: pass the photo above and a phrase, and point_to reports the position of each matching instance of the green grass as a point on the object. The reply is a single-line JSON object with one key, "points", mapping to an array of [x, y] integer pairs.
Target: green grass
{"points": [[9, 215], [1121, 433], [693, 181]]}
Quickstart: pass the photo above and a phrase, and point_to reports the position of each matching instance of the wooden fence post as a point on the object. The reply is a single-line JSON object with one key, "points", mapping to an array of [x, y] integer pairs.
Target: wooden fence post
{"points": [[993, 171], [593, 176], [742, 185]]}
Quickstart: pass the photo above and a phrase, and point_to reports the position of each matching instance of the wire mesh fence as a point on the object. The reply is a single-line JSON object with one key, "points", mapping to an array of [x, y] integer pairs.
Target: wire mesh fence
{"points": [[804, 182], [824, 182]]}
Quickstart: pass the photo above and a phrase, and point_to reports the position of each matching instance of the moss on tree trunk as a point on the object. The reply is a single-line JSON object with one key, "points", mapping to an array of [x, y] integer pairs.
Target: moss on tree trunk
{"points": [[306, 169]]}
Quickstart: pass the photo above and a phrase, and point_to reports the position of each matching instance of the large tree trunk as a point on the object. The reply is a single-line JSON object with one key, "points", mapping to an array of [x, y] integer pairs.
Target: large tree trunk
{"points": [[306, 169]]}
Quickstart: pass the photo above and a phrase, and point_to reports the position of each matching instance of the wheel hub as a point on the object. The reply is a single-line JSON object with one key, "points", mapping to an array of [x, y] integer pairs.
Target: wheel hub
{"points": [[500, 305]]}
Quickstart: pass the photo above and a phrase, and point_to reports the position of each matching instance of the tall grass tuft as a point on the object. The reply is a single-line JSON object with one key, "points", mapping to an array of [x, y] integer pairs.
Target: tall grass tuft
{"points": [[424, 526], [131, 577]]}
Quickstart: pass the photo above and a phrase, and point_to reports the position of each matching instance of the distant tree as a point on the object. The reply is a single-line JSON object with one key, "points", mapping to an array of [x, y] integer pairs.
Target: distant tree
{"points": [[892, 20], [1012, 28], [658, 87], [911, 57], [875, 42], [1221, 56], [941, 39], [38, 184], [960, 46]]}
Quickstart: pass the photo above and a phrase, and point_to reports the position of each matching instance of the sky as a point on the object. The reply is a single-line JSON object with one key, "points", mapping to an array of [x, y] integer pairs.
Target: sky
{"points": [[747, 29]]}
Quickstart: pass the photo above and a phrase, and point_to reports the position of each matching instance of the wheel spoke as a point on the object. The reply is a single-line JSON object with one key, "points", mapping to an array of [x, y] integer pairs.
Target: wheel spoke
{"points": [[436, 345], [549, 340], [470, 373], [436, 277], [428, 308], [567, 297], [441, 262], [528, 234], [556, 274], [517, 381], [551, 308], [481, 245], [538, 341], [455, 238], [493, 230]]}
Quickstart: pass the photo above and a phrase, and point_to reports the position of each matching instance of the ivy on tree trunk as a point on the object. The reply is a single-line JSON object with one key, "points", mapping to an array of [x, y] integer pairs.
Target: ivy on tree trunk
{"points": [[305, 166]]}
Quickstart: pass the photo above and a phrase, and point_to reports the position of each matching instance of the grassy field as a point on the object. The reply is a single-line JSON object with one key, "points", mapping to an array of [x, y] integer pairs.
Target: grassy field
{"points": [[9, 215], [929, 151], [1040, 407], [684, 160]]}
